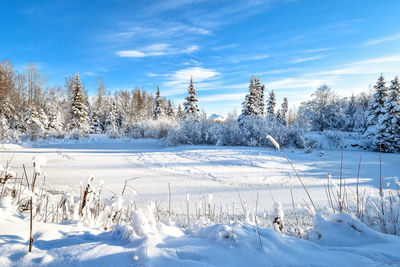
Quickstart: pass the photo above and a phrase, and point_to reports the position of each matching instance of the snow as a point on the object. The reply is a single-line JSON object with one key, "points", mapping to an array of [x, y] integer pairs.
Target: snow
{"points": [[147, 243], [198, 175], [199, 170]]}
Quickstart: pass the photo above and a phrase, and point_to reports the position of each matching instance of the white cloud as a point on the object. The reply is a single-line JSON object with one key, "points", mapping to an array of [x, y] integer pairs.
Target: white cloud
{"points": [[300, 82], [131, 53], [375, 65], [177, 82], [156, 50], [90, 73], [384, 39], [304, 59], [224, 97], [183, 76]]}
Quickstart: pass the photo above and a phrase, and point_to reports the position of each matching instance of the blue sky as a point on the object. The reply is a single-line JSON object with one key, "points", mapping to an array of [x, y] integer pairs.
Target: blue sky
{"points": [[293, 46]]}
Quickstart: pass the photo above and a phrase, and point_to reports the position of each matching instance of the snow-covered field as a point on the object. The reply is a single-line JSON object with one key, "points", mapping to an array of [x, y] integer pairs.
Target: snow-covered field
{"points": [[199, 170], [202, 172]]}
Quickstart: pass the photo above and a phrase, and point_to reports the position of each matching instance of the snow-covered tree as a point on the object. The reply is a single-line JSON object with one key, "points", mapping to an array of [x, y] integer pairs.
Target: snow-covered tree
{"points": [[377, 119], [95, 126], [158, 111], [55, 123], [350, 112], [111, 127], [191, 109], [5, 133], [170, 110], [271, 103], [283, 112], [250, 106], [323, 111], [391, 120], [34, 126], [179, 113], [7, 109], [260, 88], [79, 110]]}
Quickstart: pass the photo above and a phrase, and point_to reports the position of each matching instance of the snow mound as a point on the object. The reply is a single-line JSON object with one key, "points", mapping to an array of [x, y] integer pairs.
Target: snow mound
{"points": [[344, 230]]}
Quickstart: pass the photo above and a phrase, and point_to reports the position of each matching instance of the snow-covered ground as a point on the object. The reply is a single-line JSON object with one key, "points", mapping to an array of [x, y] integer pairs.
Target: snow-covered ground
{"points": [[201, 171]]}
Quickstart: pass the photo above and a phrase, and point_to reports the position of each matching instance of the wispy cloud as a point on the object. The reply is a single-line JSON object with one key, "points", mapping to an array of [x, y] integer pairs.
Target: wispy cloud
{"points": [[222, 47], [374, 65], [278, 71], [381, 40], [316, 50], [155, 50], [300, 82], [304, 59], [183, 76], [224, 97]]}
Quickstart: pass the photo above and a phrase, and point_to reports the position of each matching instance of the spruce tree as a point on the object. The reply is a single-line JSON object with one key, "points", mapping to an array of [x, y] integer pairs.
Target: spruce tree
{"points": [[79, 119], [375, 130], [95, 126], [54, 120], [170, 110], [34, 126], [250, 105], [350, 112], [5, 133], [391, 120], [179, 113], [158, 111], [7, 109], [191, 109], [111, 120], [260, 88], [282, 114], [271, 103]]}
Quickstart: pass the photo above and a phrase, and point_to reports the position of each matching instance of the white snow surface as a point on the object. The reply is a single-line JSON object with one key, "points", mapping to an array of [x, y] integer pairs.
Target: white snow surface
{"points": [[339, 239], [199, 170], [205, 172]]}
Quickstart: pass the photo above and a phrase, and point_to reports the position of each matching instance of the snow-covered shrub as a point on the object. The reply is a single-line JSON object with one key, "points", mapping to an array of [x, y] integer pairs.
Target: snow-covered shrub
{"points": [[152, 128], [248, 131]]}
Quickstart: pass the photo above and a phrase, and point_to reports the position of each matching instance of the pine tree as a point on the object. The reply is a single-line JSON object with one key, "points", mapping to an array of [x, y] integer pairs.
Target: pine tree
{"points": [[271, 103], [158, 111], [79, 119], [191, 109], [391, 120], [282, 114], [376, 118], [179, 113], [170, 110]]}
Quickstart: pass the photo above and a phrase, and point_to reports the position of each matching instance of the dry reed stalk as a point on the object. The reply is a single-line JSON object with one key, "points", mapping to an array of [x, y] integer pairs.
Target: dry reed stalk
{"points": [[276, 144], [357, 187], [295, 213], [31, 213], [169, 201]]}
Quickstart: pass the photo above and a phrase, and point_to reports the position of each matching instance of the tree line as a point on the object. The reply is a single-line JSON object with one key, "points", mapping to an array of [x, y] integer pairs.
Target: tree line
{"points": [[31, 109]]}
